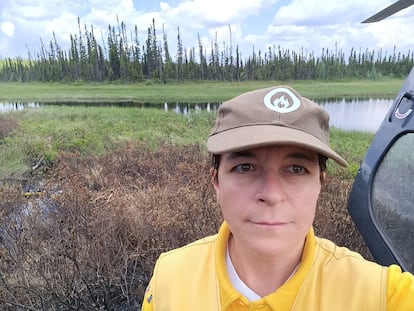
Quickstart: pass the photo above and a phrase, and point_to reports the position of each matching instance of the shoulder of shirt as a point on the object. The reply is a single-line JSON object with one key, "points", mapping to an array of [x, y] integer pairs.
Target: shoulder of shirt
{"points": [[334, 252], [203, 242]]}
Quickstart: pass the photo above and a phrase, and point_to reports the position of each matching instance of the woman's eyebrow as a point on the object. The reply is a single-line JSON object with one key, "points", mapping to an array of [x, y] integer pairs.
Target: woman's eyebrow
{"points": [[303, 155], [308, 156], [240, 154]]}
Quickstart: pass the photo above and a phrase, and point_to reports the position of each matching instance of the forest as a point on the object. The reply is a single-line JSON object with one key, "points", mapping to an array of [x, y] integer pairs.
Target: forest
{"points": [[126, 58]]}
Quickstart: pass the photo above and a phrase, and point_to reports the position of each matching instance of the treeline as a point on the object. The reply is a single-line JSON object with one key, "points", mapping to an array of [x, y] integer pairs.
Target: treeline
{"points": [[123, 57]]}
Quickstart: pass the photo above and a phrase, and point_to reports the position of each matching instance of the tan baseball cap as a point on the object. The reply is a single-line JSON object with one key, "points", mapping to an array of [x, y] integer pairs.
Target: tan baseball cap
{"points": [[272, 116]]}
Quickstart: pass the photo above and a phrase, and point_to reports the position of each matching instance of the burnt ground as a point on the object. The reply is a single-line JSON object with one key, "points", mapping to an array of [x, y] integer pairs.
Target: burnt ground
{"points": [[89, 236]]}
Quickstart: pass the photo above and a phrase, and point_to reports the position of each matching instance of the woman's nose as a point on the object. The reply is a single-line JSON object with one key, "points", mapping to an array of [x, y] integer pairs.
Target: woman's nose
{"points": [[270, 188]]}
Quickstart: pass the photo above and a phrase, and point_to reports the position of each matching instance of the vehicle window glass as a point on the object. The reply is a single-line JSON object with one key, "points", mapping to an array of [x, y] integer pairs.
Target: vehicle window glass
{"points": [[393, 198]]}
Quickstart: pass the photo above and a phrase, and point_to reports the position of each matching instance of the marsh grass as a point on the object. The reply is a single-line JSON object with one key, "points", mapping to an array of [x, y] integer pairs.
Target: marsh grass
{"points": [[193, 92], [88, 130], [42, 133], [352, 146]]}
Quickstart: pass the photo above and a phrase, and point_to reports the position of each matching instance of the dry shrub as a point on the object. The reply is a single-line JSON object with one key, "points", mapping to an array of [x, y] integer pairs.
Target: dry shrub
{"points": [[92, 241], [16, 244], [332, 220], [7, 126], [104, 222]]}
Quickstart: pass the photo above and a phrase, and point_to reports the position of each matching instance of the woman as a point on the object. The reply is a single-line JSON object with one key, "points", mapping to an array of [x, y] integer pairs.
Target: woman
{"points": [[269, 150]]}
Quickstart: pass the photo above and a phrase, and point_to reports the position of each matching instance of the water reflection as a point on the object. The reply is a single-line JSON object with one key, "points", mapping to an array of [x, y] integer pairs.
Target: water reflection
{"points": [[345, 114], [185, 109], [7, 107], [357, 114], [180, 108]]}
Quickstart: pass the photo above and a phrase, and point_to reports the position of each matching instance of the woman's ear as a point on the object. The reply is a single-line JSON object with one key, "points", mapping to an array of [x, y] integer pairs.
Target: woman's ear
{"points": [[214, 181], [323, 177], [214, 177]]}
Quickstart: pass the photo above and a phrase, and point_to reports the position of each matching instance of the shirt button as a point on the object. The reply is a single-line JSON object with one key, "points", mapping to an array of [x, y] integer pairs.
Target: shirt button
{"points": [[241, 305]]}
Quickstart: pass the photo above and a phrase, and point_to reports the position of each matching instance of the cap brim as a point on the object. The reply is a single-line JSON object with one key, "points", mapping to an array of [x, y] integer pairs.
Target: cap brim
{"points": [[254, 136]]}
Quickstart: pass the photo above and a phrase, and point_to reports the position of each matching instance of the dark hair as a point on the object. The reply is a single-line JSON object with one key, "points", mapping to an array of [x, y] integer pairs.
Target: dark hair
{"points": [[322, 162], [215, 161]]}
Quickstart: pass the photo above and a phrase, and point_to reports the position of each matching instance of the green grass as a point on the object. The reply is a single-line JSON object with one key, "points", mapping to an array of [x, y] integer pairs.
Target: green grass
{"points": [[352, 146], [188, 92], [94, 130]]}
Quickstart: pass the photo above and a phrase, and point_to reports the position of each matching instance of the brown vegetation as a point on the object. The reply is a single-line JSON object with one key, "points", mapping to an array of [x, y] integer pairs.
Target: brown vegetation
{"points": [[7, 126], [90, 242]]}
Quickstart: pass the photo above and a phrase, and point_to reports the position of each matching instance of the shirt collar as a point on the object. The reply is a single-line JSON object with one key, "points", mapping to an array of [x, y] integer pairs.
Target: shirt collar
{"points": [[284, 296]]}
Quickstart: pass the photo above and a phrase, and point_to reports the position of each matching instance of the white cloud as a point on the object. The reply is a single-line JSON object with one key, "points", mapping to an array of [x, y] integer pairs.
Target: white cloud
{"points": [[396, 31], [111, 5], [216, 12], [314, 25], [33, 10], [317, 12], [63, 26], [7, 28], [208, 19], [292, 24]]}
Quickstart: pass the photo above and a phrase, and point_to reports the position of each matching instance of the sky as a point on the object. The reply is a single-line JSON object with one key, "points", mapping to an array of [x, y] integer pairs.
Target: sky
{"points": [[295, 25]]}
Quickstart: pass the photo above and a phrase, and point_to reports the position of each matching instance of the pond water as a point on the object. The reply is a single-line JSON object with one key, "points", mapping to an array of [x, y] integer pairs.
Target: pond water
{"points": [[8, 106], [346, 114], [357, 114]]}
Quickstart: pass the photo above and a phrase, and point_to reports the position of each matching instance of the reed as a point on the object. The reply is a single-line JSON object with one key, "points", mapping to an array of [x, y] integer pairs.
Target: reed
{"points": [[193, 92]]}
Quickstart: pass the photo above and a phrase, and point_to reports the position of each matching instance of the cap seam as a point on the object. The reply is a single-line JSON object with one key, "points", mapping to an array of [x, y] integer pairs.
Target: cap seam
{"points": [[267, 124]]}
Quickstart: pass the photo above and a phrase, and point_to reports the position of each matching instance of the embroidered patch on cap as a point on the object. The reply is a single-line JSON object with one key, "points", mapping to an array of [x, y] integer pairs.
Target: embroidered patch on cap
{"points": [[281, 100]]}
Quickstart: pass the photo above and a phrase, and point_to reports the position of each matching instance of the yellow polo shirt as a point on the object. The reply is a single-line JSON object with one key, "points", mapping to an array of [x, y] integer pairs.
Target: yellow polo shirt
{"points": [[194, 277]]}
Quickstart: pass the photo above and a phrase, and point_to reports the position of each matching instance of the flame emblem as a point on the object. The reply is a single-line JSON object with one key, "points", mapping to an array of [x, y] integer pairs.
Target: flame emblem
{"points": [[281, 100]]}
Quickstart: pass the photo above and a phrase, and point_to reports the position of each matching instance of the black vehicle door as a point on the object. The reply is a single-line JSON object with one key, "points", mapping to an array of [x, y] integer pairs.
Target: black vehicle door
{"points": [[381, 202]]}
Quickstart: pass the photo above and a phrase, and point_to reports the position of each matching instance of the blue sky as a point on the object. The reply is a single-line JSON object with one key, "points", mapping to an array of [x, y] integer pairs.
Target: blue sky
{"points": [[310, 25]]}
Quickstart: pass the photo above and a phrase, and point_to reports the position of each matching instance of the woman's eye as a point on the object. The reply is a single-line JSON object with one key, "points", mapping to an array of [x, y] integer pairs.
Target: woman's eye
{"points": [[243, 168], [296, 169]]}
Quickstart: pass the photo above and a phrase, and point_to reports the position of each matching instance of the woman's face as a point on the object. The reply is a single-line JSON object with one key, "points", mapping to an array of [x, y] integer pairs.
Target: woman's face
{"points": [[268, 196]]}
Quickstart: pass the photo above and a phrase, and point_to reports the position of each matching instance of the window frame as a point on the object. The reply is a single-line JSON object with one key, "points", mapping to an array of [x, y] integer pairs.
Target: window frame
{"points": [[394, 126]]}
